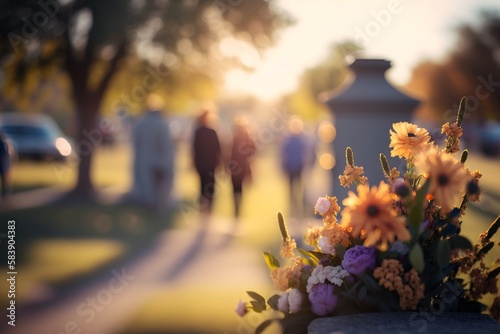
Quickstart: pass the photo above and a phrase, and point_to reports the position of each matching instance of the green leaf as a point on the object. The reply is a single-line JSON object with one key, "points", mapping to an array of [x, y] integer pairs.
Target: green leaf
{"points": [[349, 157], [486, 248], [461, 111], [458, 241], [417, 258], [340, 251], [258, 302], [370, 282], [416, 211], [388, 255], [255, 296], [493, 228], [258, 307], [494, 272], [464, 156], [271, 261], [273, 302], [311, 258], [362, 292], [385, 165], [283, 229], [264, 325], [442, 254]]}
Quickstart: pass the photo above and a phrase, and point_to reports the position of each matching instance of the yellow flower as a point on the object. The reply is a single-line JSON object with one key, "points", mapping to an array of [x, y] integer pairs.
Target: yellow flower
{"points": [[408, 140], [373, 212], [352, 174], [447, 177], [453, 133]]}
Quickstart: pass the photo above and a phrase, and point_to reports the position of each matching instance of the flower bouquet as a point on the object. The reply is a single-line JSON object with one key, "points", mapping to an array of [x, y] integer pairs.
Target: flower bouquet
{"points": [[397, 245]]}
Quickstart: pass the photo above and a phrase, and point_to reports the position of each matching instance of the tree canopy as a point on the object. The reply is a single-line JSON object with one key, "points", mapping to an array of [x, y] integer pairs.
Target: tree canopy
{"points": [[158, 45], [471, 69]]}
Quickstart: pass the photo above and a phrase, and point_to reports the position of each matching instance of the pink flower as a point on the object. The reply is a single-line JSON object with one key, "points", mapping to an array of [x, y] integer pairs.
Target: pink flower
{"points": [[241, 309], [358, 258], [322, 205], [322, 299]]}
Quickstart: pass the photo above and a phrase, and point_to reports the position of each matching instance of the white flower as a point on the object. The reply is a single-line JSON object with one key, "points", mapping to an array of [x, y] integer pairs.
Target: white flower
{"points": [[321, 274], [241, 309], [283, 303], [322, 205], [325, 246], [295, 300]]}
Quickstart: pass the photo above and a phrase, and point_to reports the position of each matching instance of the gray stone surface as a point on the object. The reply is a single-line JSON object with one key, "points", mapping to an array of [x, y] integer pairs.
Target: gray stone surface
{"points": [[406, 323], [364, 109]]}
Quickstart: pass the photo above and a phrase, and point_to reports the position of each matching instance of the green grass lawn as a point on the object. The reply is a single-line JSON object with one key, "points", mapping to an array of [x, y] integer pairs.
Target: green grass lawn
{"points": [[111, 167]]}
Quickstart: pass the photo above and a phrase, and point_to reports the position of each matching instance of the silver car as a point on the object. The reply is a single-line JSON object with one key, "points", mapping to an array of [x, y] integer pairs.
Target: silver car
{"points": [[35, 136]]}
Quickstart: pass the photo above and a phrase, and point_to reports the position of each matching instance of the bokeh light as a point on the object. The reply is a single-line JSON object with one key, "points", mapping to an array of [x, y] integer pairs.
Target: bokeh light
{"points": [[326, 132], [63, 146], [327, 161]]}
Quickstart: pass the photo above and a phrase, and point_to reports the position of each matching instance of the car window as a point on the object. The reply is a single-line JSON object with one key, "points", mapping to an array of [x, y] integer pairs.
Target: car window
{"points": [[26, 131]]}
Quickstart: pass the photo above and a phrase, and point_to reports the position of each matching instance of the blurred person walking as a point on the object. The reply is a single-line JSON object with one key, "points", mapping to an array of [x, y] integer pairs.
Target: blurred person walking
{"points": [[296, 154], [154, 156], [242, 152], [206, 157]]}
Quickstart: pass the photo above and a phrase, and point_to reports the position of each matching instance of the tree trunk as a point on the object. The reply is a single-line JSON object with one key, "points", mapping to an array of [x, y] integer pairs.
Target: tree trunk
{"points": [[88, 139], [87, 103]]}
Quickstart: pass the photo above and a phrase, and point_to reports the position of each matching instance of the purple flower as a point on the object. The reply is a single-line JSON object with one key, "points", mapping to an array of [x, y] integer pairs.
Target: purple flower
{"points": [[358, 258], [322, 299]]}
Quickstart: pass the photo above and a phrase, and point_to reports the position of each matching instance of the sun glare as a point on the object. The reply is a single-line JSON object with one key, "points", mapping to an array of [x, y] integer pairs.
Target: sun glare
{"points": [[236, 81]]}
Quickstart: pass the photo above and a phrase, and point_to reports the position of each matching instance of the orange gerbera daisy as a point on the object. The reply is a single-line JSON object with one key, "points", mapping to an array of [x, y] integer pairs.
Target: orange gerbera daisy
{"points": [[447, 177], [408, 140], [372, 211]]}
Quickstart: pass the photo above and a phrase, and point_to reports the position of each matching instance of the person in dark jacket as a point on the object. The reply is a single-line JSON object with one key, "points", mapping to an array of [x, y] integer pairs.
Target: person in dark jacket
{"points": [[242, 152], [206, 156]]}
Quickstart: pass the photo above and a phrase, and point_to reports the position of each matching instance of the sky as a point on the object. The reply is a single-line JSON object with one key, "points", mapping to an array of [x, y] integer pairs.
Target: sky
{"points": [[402, 31]]}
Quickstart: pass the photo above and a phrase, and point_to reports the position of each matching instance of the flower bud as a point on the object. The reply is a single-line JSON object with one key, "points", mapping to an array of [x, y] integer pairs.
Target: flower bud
{"points": [[402, 189], [241, 309], [472, 188], [322, 205]]}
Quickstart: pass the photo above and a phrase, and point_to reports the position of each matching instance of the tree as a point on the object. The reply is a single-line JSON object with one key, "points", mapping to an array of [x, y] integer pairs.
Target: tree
{"points": [[90, 40], [471, 69]]}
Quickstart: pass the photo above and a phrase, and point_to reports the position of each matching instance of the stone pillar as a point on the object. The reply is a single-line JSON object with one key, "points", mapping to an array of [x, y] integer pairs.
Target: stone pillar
{"points": [[364, 109]]}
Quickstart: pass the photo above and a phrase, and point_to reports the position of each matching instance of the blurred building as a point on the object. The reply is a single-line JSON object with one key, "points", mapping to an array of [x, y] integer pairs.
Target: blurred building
{"points": [[364, 109]]}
